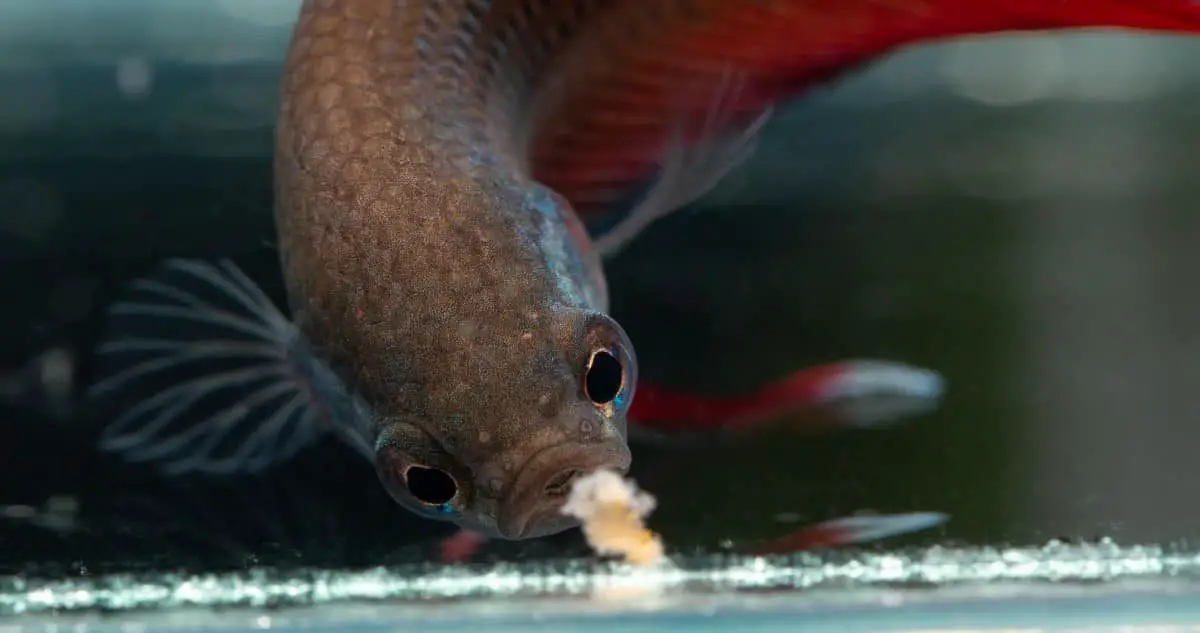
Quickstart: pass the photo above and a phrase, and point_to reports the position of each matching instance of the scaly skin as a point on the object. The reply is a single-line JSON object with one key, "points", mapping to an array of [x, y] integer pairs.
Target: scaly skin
{"points": [[446, 290]]}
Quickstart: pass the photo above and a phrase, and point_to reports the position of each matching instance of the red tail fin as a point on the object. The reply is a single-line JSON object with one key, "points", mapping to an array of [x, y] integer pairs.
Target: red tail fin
{"points": [[850, 531], [650, 63], [860, 393]]}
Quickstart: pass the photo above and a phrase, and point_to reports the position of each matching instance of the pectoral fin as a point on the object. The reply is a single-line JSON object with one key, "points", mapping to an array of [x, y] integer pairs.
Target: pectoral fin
{"points": [[213, 377]]}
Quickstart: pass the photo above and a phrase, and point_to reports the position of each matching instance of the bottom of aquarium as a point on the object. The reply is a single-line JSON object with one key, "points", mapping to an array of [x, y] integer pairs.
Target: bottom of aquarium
{"points": [[1057, 588], [1148, 608]]}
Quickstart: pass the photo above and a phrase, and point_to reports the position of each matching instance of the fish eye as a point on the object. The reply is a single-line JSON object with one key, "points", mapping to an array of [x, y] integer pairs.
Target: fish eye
{"points": [[430, 486], [604, 377]]}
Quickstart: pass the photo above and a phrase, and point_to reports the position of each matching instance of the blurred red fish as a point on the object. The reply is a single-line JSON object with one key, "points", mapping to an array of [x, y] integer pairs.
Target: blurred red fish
{"points": [[677, 92]]}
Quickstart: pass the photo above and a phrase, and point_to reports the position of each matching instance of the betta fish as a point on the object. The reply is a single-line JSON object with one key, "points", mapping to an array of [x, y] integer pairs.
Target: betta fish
{"points": [[442, 168]]}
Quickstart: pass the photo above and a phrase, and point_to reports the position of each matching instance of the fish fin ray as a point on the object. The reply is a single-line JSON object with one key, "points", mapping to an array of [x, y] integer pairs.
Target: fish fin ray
{"points": [[214, 378], [210, 432], [689, 172]]}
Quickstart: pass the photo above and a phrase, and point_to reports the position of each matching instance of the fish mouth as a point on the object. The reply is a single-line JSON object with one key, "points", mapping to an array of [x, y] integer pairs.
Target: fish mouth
{"points": [[533, 507]]}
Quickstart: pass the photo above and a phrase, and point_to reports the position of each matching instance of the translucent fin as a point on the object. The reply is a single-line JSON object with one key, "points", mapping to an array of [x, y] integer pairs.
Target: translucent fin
{"points": [[851, 531], [846, 394], [217, 379], [688, 172]]}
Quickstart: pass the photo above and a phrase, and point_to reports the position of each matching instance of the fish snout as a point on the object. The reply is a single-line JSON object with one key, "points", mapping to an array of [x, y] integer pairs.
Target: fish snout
{"points": [[532, 508]]}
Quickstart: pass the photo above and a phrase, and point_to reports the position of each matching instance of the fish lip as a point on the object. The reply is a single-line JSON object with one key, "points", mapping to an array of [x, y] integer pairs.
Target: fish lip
{"points": [[526, 502]]}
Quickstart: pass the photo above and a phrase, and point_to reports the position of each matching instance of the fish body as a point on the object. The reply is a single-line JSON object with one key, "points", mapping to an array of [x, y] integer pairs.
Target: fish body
{"points": [[435, 165], [444, 287]]}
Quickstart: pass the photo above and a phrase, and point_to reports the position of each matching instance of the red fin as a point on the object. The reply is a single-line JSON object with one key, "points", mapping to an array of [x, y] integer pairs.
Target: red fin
{"points": [[461, 546], [861, 393], [643, 65], [850, 531]]}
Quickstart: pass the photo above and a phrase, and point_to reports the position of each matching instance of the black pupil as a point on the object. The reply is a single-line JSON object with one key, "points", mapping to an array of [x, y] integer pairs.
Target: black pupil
{"points": [[603, 380], [430, 485]]}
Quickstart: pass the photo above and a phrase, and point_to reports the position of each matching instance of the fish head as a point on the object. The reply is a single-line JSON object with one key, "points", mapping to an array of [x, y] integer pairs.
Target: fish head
{"points": [[496, 448]]}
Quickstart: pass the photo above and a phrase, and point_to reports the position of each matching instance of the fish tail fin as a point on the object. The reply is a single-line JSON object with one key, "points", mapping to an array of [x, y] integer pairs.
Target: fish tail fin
{"points": [[850, 531], [217, 380], [857, 393]]}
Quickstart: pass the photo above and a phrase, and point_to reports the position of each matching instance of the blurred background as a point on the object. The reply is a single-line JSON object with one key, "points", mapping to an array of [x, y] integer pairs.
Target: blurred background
{"points": [[1016, 213]]}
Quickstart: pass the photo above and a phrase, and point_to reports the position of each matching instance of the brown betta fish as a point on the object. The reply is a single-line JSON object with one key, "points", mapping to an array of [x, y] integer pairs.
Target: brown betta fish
{"points": [[434, 159]]}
